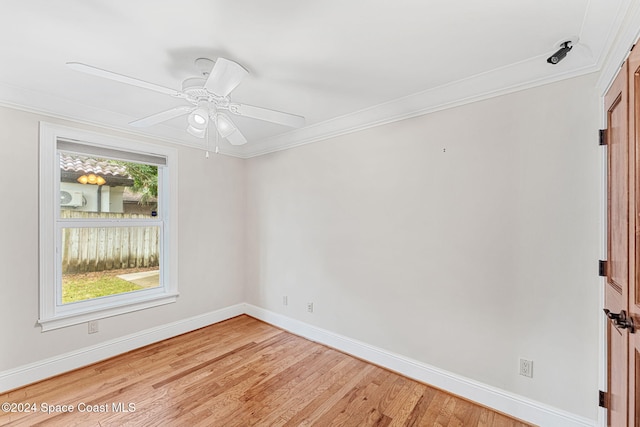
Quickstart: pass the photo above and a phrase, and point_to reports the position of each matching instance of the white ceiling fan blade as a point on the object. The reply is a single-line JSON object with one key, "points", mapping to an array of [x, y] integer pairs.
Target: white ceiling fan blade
{"points": [[224, 77], [161, 117], [121, 78], [268, 115], [236, 138]]}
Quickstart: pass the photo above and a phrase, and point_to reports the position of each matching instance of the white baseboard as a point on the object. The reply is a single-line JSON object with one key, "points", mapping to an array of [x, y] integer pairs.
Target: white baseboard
{"points": [[508, 403], [33, 372], [500, 400]]}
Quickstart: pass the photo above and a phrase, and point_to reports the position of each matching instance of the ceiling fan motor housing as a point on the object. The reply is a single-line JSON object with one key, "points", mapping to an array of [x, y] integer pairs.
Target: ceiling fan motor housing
{"points": [[194, 87]]}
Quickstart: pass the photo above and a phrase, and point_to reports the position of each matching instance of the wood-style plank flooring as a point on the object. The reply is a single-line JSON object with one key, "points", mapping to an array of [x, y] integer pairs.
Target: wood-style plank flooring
{"points": [[240, 372]]}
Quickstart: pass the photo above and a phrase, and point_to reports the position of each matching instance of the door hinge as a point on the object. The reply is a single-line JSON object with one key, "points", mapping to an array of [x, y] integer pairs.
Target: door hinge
{"points": [[602, 268], [602, 399], [603, 136]]}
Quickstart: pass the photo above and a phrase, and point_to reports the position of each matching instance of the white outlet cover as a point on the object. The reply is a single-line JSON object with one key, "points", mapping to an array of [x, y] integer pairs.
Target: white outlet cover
{"points": [[93, 326], [526, 368]]}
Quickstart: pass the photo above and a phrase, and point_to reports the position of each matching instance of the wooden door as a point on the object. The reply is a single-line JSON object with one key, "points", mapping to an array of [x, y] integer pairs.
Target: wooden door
{"points": [[634, 289], [618, 247]]}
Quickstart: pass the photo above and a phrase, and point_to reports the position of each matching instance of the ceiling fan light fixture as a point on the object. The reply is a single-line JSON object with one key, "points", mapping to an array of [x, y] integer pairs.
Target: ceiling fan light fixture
{"points": [[236, 138], [198, 133], [199, 118], [225, 125]]}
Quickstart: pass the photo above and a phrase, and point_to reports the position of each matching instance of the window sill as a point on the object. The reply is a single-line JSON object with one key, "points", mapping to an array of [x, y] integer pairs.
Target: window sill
{"points": [[95, 313]]}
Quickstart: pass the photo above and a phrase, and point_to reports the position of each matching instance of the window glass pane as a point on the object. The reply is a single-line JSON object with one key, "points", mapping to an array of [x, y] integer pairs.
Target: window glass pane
{"points": [[116, 188], [103, 261]]}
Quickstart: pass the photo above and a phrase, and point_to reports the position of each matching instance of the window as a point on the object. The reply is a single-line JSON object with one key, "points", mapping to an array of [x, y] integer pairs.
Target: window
{"points": [[107, 226]]}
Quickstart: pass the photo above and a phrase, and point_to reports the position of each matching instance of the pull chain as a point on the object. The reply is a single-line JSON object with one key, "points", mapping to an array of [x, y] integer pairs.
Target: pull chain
{"points": [[217, 139], [207, 131], [206, 155]]}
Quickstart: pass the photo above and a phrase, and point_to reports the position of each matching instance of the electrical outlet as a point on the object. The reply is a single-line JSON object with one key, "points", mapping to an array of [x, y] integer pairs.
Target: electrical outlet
{"points": [[285, 300], [310, 307], [93, 326], [526, 368]]}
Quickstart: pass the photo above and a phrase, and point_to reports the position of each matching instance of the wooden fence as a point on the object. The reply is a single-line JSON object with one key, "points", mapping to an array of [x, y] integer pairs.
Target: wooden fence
{"points": [[90, 249]]}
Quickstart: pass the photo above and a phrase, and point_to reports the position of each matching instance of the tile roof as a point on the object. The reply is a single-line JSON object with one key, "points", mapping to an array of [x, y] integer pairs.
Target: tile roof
{"points": [[84, 164]]}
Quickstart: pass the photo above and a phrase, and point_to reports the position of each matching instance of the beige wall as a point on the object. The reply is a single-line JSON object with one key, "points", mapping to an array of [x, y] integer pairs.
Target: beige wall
{"points": [[465, 239], [210, 247]]}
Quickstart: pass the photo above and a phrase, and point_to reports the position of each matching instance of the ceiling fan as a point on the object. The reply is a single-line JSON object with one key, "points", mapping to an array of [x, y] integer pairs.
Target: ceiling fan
{"points": [[209, 99]]}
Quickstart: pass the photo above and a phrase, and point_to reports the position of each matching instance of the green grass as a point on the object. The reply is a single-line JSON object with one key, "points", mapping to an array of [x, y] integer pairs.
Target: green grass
{"points": [[80, 288]]}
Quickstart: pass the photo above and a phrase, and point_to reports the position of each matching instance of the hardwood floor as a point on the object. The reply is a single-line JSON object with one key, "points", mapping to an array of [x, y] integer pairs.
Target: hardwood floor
{"points": [[240, 372]]}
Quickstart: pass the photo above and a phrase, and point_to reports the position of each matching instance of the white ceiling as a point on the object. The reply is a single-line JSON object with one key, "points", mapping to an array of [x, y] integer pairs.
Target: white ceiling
{"points": [[344, 65]]}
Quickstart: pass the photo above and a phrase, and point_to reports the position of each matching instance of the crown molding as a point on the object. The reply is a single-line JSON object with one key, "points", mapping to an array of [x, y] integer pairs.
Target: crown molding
{"points": [[601, 48], [620, 44], [599, 44], [514, 78]]}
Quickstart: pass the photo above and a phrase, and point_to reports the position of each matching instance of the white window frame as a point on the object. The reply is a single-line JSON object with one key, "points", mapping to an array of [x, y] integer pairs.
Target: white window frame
{"points": [[52, 313]]}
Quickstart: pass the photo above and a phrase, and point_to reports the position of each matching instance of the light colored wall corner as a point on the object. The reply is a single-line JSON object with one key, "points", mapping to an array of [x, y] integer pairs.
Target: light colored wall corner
{"points": [[464, 239], [246, 237]]}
